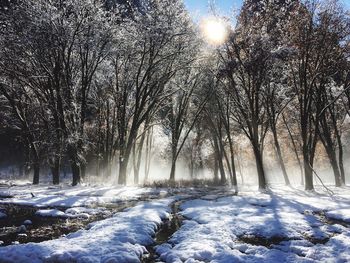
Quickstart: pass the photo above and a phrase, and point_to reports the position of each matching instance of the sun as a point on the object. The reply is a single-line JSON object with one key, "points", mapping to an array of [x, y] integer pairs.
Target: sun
{"points": [[214, 31]]}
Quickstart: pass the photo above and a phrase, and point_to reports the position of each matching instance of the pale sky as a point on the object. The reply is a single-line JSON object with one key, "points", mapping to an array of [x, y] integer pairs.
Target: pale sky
{"points": [[199, 8]]}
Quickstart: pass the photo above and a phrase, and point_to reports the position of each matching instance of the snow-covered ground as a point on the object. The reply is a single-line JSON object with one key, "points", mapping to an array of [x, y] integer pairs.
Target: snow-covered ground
{"points": [[69, 196], [281, 225], [121, 238]]}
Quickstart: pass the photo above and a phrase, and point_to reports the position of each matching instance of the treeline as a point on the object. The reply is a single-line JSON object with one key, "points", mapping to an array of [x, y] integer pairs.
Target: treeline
{"points": [[87, 81]]}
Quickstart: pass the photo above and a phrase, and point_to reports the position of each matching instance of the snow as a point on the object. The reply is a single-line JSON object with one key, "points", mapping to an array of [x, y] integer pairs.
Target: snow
{"points": [[69, 196], [340, 214], [121, 238], [50, 213], [75, 212], [280, 225], [2, 215], [27, 222], [288, 220]]}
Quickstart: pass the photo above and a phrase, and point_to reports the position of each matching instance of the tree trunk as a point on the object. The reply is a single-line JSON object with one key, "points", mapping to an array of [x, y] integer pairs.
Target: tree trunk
{"points": [[233, 167], [75, 172], [134, 162], [174, 150], [341, 158], [341, 164], [55, 170], [222, 171], [259, 167], [228, 165], [279, 157], [216, 171], [36, 167], [123, 164], [309, 184], [219, 155], [138, 156], [83, 170], [148, 153], [173, 170], [334, 164]]}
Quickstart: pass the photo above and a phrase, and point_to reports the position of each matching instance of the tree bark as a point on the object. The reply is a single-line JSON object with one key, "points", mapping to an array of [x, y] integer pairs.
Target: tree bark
{"points": [[75, 172], [83, 170], [148, 154], [233, 167], [172, 171], [259, 167], [123, 164], [279, 157], [309, 184], [36, 168], [334, 164], [55, 170], [216, 171], [340, 157]]}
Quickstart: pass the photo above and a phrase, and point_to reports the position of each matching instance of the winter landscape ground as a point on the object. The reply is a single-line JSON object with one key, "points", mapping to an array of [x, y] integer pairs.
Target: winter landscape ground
{"points": [[282, 224]]}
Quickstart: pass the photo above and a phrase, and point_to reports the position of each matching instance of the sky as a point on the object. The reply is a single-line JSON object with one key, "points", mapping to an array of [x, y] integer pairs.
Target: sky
{"points": [[199, 8]]}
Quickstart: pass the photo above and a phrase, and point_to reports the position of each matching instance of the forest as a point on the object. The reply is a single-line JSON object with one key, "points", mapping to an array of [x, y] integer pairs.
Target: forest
{"points": [[133, 128], [90, 86]]}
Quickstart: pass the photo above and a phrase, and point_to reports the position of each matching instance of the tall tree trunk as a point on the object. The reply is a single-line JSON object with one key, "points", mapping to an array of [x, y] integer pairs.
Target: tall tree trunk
{"points": [[138, 155], [228, 165], [83, 170], [36, 168], [148, 154], [75, 172], [259, 167], [308, 172], [329, 145], [216, 171], [36, 163], [233, 167], [334, 164], [279, 157], [172, 170], [219, 157], [174, 145], [123, 165], [55, 170], [340, 157]]}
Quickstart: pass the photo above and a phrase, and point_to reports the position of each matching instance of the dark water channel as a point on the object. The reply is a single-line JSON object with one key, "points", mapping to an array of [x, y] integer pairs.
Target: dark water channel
{"points": [[22, 225], [174, 222]]}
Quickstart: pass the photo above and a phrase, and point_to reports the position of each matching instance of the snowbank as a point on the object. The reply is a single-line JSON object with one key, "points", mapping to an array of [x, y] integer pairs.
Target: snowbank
{"points": [[121, 238], [2, 215], [50, 213], [279, 226], [69, 196], [340, 214]]}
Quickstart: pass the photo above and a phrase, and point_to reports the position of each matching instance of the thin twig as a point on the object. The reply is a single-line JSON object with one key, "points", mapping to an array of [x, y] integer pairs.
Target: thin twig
{"points": [[331, 193]]}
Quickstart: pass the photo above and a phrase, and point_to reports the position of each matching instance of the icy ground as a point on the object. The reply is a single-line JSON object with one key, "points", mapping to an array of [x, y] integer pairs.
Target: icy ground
{"points": [[69, 196], [281, 225], [121, 238]]}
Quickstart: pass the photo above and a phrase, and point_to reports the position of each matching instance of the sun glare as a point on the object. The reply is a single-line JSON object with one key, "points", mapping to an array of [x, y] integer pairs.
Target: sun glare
{"points": [[214, 31]]}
